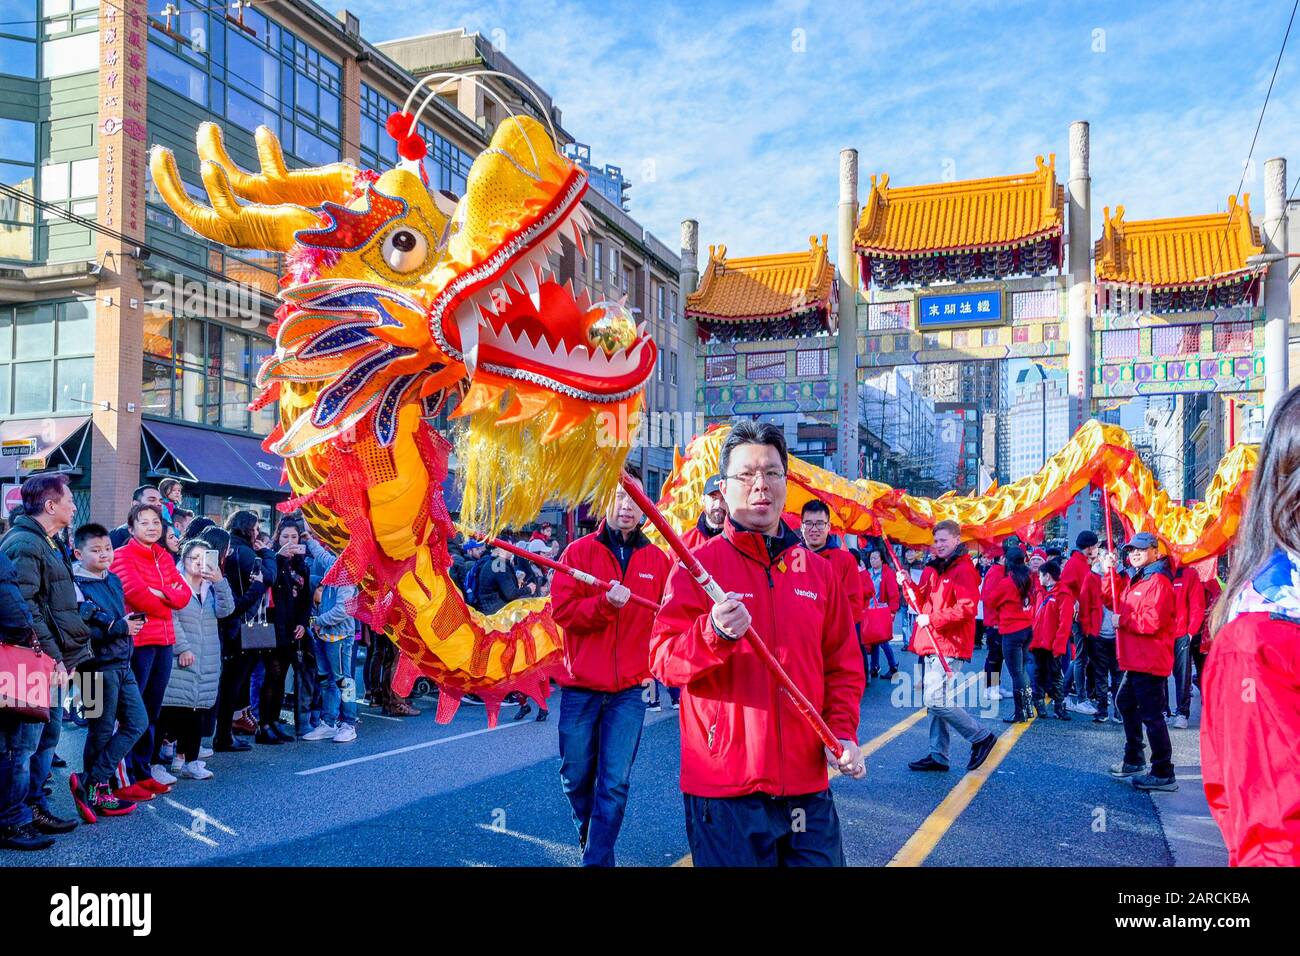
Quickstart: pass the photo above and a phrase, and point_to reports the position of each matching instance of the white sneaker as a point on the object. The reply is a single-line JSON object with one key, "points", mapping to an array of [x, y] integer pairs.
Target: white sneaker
{"points": [[677, 705], [347, 733], [322, 731], [196, 770], [177, 763], [168, 750], [159, 773], [1179, 722], [204, 752], [1085, 707]]}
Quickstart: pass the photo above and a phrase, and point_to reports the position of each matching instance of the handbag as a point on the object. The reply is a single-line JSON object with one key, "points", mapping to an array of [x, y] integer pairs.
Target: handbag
{"points": [[877, 626], [255, 632], [26, 677]]}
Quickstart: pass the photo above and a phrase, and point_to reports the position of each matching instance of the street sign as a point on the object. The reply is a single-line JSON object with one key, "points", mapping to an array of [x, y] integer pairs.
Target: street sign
{"points": [[36, 463], [12, 497], [18, 448]]}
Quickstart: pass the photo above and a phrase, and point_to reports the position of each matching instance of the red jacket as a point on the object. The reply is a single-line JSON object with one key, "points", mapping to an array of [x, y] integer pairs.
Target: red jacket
{"points": [[1213, 590], [992, 576], [607, 648], [949, 593], [1013, 612], [699, 533], [1051, 623], [1189, 602], [144, 567], [846, 565], [740, 733], [890, 596], [1248, 741], [1080, 596], [1144, 633]]}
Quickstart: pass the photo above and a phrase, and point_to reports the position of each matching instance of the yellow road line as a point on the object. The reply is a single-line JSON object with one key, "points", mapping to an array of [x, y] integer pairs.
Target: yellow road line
{"points": [[870, 747], [932, 830]]}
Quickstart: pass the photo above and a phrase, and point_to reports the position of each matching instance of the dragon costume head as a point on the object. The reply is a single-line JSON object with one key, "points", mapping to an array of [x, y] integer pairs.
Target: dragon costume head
{"points": [[397, 298]]}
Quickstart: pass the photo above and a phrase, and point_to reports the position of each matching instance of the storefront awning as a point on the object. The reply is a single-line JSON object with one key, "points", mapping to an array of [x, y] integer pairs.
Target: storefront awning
{"points": [[217, 458], [52, 441]]}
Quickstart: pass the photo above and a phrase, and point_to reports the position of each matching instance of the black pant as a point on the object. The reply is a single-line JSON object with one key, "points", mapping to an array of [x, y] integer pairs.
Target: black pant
{"points": [[381, 658], [761, 830], [993, 661], [277, 664], [1047, 674], [1103, 672], [236, 669], [185, 726], [1141, 703]]}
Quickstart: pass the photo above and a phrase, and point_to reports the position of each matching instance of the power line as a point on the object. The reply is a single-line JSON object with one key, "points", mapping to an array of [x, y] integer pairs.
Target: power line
{"points": [[1250, 155]]}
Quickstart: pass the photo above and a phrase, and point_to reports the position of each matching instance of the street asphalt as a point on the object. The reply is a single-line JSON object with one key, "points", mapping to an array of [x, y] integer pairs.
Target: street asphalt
{"points": [[412, 792]]}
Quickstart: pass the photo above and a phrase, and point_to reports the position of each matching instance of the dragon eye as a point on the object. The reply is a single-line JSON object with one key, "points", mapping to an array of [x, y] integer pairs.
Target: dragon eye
{"points": [[404, 250]]}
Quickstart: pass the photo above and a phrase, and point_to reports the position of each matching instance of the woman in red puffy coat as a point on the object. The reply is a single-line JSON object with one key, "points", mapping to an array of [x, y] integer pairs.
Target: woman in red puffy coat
{"points": [[1050, 641], [1249, 759], [154, 588]]}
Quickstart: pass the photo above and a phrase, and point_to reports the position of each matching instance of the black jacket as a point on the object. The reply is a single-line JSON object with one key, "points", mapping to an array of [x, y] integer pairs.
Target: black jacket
{"points": [[292, 590], [495, 589], [15, 619], [119, 536], [103, 608], [45, 581], [239, 565]]}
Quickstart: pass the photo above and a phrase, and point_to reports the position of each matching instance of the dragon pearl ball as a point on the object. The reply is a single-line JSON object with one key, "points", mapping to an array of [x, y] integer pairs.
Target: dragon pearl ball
{"points": [[614, 328]]}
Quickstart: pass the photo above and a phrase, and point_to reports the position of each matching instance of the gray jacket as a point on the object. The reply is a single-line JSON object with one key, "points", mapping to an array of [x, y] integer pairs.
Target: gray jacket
{"points": [[197, 632]]}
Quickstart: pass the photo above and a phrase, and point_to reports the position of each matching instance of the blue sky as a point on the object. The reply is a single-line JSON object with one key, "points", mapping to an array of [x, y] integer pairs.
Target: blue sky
{"points": [[734, 114]]}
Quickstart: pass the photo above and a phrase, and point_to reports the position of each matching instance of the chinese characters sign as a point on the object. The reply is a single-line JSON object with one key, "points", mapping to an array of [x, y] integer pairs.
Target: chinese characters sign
{"points": [[123, 41], [964, 308]]}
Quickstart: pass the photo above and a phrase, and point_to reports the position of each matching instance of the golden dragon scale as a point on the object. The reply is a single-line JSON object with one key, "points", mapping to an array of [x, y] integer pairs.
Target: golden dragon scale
{"points": [[1100, 456], [396, 300]]}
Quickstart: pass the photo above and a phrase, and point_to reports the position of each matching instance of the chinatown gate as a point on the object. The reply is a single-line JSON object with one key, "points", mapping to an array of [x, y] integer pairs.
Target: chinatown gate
{"points": [[987, 271]]}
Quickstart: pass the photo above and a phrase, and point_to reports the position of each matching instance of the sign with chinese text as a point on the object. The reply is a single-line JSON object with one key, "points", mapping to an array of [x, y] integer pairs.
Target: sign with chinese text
{"points": [[958, 309]]}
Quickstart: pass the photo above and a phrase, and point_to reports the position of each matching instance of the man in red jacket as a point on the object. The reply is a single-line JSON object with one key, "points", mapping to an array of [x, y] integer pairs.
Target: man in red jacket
{"points": [[753, 773], [1144, 639], [606, 656], [815, 528], [948, 594], [1081, 605], [712, 515], [1189, 615]]}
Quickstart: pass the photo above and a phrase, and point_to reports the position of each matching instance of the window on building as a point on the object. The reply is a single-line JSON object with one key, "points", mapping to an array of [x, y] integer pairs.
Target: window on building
{"points": [[719, 368], [672, 374], [661, 294], [47, 357], [201, 371], [765, 365], [71, 186], [1171, 340], [659, 366], [17, 39], [1120, 343], [17, 169], [812, 362], [1233, 337], [70, 31], [598, 263]]}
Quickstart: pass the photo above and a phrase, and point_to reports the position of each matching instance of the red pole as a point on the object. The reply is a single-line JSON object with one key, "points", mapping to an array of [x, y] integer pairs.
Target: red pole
{"points": [[1110, 547], [909, 590], [582, 576], [718, 596]]}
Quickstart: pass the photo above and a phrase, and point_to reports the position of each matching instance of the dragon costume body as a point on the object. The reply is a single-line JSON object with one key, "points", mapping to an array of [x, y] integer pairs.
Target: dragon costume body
{"points": [[397, 300]]}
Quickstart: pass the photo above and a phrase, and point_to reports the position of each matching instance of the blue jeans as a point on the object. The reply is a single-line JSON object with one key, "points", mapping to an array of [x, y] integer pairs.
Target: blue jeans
{"points": [[1013, 652], [120, 704], [43, 758], [152, 666], [599, 736], [337, 688], [889, 656], [18, 739]]}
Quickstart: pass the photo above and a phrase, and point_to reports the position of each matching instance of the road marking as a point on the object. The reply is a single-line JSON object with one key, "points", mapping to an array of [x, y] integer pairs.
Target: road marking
{"points": [[396, 720], [405, 750], [202, 816], [191, 833], [869, 748], [933, 828], [560, 848]]}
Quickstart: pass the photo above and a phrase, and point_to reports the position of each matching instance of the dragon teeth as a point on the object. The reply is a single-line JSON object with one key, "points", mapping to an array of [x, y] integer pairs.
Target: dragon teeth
{"points": [[467, 321]]}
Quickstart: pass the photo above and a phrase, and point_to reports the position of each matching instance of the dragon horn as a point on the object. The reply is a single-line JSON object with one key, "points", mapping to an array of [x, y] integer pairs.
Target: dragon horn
{"points": [[274, 184], [242, 227]]}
